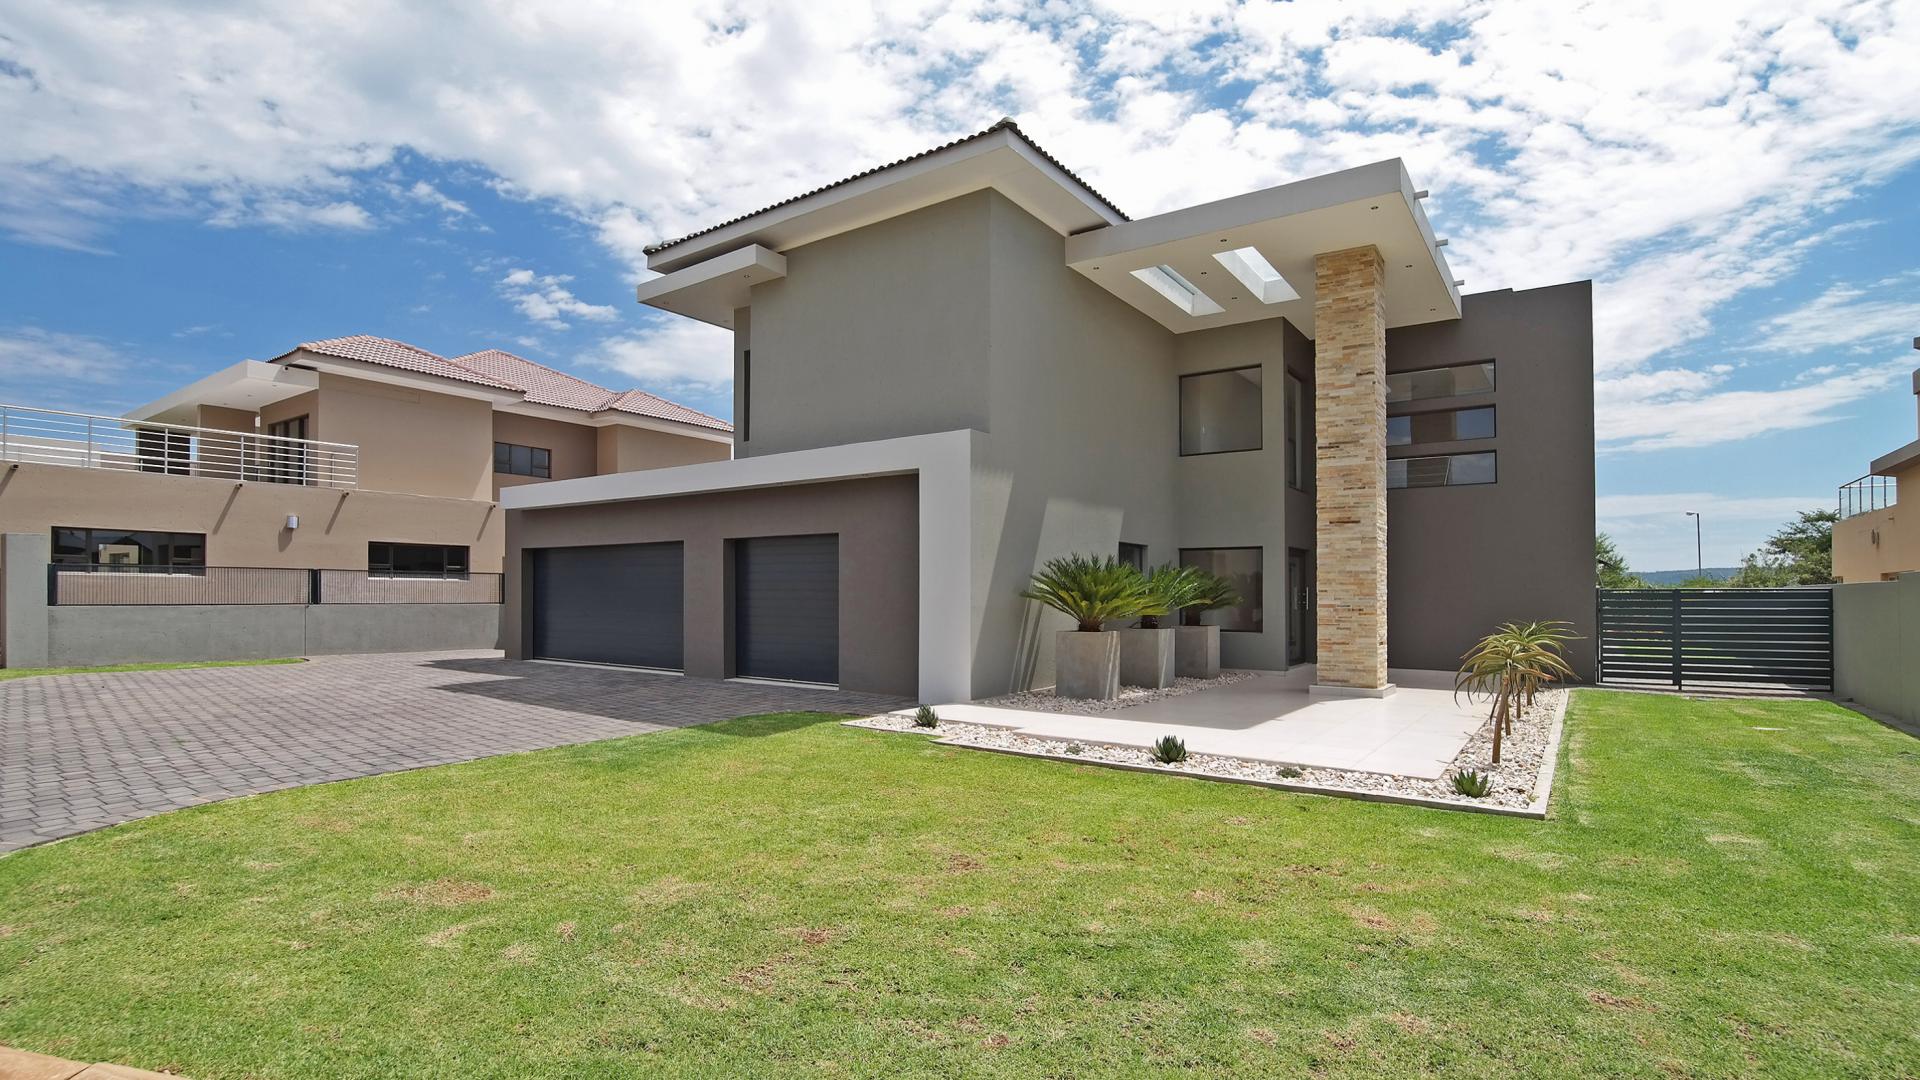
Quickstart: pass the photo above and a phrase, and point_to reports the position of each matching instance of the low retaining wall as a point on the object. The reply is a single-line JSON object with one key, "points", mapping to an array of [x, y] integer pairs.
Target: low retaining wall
{"points": [[1876, 636], [86, 636]]}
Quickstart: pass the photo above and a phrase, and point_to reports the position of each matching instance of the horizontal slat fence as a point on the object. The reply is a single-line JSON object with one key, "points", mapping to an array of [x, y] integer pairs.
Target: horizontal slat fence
{"points": [[1738, 637]]}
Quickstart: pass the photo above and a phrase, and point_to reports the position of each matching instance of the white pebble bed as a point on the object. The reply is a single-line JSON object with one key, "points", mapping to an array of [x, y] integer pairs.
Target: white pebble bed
{"points": [[1048, 701], [1523, 753]]}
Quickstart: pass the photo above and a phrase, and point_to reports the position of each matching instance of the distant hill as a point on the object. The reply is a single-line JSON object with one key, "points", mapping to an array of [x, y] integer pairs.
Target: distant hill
{"points": [[1675, 577]]}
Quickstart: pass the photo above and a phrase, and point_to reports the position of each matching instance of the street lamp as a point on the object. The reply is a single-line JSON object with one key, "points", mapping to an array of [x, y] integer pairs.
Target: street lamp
{"points": [[1699, 564]]}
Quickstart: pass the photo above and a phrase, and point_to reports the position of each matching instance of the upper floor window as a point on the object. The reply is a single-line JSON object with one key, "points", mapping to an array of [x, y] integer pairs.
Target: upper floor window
{"points": [[1440, 382], [518, 460], [1296, 404], [1447, 425], [385, 559], [1220, 411], [1440, 470], [278, 462], [111, 549], [1134, 555]]}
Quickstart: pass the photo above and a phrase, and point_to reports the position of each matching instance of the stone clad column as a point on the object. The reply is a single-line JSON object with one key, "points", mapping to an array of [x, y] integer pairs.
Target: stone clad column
{"points": [[1350, 470]]}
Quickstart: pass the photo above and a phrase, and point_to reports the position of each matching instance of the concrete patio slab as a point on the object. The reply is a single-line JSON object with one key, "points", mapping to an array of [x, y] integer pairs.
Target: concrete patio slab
{"points": [[1417, 731]]}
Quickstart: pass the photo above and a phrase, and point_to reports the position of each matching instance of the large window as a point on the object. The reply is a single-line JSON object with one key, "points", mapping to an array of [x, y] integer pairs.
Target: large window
{"points": [[283, 462], [112, 549], [1441, 470], [1296, 404], [1220, 411], [1449, 425], [416, 560], [522, 460], [1440, 382], [1241, 567]]}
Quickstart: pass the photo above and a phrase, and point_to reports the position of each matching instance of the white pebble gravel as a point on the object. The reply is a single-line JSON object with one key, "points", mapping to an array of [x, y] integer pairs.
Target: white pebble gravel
{"points": [[1523, 752]]}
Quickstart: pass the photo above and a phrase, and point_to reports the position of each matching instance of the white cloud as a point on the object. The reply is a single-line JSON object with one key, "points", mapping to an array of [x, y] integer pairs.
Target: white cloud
{"points": [[29, 352], [678, 355], [1887, 312], [544, 298], [421, 191], [1673, 408]]}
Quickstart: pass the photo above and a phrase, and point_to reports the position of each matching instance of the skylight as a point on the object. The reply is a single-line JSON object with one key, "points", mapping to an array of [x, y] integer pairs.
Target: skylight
{"points": [[1167, 281], [1257, 274]]}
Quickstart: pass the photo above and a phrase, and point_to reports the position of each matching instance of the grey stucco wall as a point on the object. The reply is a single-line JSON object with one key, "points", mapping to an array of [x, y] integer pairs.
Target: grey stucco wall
{"points": [[1461, 560], [876, 518], [23, 598], [873, 334], [88, 635], [1876, 635], [1084, 422]]}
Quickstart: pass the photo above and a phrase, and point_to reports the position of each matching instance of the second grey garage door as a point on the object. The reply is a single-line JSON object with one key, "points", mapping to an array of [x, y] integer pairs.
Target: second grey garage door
{"points": [[618, 604], [786, 618]]}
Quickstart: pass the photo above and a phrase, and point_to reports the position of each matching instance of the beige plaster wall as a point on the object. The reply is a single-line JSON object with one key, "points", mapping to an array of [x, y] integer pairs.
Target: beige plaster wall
{"points": [[410, 441], [1856, 556], [629, 449]]}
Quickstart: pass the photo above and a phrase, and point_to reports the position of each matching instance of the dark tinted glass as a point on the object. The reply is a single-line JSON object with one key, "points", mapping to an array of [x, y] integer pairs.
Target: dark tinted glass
{"points": [[1242, 568]]}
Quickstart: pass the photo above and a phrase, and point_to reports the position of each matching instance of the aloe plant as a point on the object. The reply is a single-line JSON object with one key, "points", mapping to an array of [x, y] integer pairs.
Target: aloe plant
{"points": [[1090, 591], [1170, 588], [1210, 591], [1510, 665]]}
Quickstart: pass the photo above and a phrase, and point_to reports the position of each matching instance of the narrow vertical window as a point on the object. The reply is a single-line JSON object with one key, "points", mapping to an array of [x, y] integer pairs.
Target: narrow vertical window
{"points": [[1296, 426], [746, 391]]}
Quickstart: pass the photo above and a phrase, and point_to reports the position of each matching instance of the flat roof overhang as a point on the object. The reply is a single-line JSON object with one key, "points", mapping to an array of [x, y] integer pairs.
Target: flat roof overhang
{"points": [[1889, 464], [248, 385], [1374, 204], [1000, 160], [711, 290]]}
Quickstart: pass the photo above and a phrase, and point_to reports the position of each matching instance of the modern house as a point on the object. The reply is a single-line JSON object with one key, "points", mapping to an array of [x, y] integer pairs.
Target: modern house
{"points": [[951, 368], [354, 470], [1869, 541]]}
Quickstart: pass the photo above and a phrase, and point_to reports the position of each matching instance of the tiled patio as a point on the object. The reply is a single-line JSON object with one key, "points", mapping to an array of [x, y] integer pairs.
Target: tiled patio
{"points": [[1416, 732]]}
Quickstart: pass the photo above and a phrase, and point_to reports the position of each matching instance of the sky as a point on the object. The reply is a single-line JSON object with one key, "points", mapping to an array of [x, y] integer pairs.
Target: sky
{"points": [[188, 183]]}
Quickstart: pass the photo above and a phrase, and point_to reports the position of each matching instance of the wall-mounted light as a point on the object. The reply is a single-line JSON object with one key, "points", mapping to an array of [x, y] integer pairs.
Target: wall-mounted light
{"points": [[293, 521]]}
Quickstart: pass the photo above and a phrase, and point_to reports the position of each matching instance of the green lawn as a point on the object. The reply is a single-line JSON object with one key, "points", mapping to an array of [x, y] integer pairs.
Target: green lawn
{"points": [[785, 896], [25, 673]]}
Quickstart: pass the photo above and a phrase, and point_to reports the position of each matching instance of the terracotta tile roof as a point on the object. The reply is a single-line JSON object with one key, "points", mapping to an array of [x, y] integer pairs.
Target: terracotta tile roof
{"points": [[537, 383], [1005, 124]]}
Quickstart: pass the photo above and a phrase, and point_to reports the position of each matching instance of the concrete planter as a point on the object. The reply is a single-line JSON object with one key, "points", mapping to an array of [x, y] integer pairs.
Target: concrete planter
{"points": [[1196, 652], [1146, 657], [1086, 665]]}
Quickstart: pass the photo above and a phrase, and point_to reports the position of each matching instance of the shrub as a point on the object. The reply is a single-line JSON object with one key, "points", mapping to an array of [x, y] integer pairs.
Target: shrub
{"points": [[1510, 665], [1210, 591], [1472, 783], [1170, 588], [1076, 749], [1090, 591], [1289, 773], [1168, 749], [925, 717]]}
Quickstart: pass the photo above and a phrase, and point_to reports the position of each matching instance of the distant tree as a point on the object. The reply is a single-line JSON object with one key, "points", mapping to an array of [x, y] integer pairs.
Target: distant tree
{"points": [[1610, 567], [1801, 553]]}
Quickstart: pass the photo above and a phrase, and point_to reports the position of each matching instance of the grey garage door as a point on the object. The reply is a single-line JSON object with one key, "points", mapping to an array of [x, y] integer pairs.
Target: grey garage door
{"points": [[618, 604], [786, 619]]}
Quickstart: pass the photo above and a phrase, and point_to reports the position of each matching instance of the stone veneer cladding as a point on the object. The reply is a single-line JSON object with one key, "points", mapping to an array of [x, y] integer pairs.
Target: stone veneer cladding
{"points": [[1350, 466]]}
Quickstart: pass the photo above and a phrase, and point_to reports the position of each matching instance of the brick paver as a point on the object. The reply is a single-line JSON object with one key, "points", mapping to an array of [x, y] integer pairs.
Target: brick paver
{"points": [[80, 752]]}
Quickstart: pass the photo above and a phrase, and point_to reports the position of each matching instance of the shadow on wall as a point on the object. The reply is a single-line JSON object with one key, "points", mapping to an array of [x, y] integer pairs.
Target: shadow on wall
{"points": [[649, 699]]}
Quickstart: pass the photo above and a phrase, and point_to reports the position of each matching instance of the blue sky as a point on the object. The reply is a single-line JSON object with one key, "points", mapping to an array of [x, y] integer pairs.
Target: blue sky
{"points": [[184, 185]]}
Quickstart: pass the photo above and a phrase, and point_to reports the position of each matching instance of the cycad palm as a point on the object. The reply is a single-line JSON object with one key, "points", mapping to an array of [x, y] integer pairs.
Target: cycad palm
{"points": [[1090, 591]]}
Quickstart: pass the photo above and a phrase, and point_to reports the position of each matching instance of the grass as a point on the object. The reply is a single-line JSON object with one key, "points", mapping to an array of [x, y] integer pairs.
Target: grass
{"points": [[27, 673], [1725, 889]]}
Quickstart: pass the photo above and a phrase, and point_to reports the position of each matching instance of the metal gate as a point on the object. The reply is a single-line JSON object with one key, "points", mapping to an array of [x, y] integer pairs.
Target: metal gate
{"points": [[1739, 637]]}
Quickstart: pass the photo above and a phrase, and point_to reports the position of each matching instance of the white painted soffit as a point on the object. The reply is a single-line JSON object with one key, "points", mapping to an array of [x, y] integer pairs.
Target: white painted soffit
{"points": [[711, 290], [1288, 225], [248, 385], [1000, 160]]}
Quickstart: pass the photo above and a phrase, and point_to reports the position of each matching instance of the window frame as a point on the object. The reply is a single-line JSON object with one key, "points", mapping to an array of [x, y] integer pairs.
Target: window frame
{"points": [[512, 468], [1257, 603], [1493, 381], [87, 563], [1126, 549], [1493, 454], [385, 568], [1294, 404], [1180, 419]]}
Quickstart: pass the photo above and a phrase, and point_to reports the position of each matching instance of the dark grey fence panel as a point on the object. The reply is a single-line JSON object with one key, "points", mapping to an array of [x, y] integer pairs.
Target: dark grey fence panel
{"points": [[1736, 637]]}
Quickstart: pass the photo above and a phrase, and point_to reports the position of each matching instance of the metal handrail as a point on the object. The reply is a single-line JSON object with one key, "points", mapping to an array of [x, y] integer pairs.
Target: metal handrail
{"points": [[1867, 494], [85, 440]]}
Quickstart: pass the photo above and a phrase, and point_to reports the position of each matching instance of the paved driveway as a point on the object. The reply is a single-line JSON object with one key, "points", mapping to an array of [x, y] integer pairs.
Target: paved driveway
{"points": [[78, 752]]}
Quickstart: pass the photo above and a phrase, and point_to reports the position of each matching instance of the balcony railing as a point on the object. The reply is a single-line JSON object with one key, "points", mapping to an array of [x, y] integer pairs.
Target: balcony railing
{"points": [[113, 584], [52, 437], [1867, 494]]}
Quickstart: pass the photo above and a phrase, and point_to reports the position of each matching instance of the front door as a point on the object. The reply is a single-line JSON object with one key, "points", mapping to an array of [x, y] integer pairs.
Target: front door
{"points": [[1299, 606]]}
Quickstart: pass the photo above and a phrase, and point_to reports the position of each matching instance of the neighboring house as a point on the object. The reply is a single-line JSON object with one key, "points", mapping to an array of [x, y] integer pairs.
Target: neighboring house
{"points": [[351, 470], [1870, 542], [952, 368]]}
